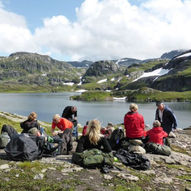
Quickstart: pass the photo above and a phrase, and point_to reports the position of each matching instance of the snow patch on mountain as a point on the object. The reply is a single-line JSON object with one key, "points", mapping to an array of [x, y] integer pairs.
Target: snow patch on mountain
{"points": [[158, 72], [102, 81]]}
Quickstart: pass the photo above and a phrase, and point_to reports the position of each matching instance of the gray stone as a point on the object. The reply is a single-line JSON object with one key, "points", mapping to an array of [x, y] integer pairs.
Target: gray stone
{"points": [[107, 177], [39, 176], [128, 177], [169, 160], [4, 166]]}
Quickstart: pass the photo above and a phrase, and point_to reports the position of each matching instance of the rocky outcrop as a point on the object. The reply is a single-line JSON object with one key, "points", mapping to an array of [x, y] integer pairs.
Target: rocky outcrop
{"points": [[171, 54]]}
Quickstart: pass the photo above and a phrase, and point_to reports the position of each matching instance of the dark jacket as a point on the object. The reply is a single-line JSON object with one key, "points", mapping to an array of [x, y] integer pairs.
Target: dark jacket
{"points": [[84, 144], [68, 114], [28, 124], [168, 119], [134, 125]]}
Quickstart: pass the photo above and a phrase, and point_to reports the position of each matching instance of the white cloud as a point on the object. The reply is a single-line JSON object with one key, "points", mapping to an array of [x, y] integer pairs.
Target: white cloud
{"points": [[114, 28], [104, 29], [14, 34]]}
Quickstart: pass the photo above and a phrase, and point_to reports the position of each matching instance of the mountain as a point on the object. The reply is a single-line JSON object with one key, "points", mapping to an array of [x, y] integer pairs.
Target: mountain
{"points": [[127, 61], [82, 64], [32, 68], [171, 54], [174, 75]]}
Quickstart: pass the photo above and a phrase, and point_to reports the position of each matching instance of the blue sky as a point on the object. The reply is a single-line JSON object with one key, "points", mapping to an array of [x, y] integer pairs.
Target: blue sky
{"points": [[97, 29], [36, 10]]}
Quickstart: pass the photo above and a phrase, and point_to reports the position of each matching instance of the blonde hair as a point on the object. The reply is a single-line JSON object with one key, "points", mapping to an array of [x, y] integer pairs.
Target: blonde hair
{"points": [[56, 116], [94, 131], [133, 107], [156, 123], [32, 116]]}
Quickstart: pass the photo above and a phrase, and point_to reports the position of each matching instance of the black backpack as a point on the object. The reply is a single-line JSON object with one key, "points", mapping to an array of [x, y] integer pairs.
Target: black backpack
{"points": [[116, 138], [25, 148]]}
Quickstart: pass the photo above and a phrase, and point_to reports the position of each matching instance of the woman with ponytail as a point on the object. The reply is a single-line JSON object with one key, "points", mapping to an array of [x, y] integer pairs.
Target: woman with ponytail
{"points": [[93, 139]]}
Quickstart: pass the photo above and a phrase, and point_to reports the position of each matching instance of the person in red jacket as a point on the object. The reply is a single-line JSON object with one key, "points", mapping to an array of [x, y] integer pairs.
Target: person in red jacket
{"points": [[85, 129], [65, 132], [134, 123], [155, 142], [156, 134], [61, 123]]}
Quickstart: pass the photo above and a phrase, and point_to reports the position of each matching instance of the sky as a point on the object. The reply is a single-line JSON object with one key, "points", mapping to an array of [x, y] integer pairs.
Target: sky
{"points": [[95, 29]]}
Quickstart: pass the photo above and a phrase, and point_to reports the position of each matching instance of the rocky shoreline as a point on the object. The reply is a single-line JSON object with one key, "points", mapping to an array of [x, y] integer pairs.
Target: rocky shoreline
{"points": [[58, 173]]}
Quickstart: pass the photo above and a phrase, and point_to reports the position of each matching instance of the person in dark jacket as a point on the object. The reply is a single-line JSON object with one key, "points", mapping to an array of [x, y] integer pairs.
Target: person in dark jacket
{"points": [[31, 125], [93, 139], [134, 123], [70, 113], [166, 117]]}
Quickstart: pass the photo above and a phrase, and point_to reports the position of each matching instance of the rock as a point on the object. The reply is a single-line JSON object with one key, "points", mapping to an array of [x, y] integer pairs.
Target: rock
{"points": [[172, 135], [149, 172], [4, 166], [136, 149], [188, 188], [39, 176], [107, 177], [44, 170], [169, 161], [128, 177], [51, 168], [163, 179]]}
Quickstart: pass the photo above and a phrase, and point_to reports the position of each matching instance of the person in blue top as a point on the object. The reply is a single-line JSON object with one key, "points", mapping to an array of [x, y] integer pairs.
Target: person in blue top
{"points": [[166, 117]]}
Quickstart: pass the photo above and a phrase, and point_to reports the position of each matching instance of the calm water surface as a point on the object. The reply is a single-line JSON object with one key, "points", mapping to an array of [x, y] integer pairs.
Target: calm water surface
{"points": [[48, 104]]}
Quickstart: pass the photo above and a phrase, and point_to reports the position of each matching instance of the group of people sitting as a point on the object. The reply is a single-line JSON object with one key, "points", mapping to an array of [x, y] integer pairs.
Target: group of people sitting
{"points": [[96, 137]]}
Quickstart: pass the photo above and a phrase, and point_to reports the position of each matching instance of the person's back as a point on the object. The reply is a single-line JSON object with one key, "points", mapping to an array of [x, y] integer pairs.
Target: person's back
{"points": [[156, 135], [93, 139], [134, 123]]}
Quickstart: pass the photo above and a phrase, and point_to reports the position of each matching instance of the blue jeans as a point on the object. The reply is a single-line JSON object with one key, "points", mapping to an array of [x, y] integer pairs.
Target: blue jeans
{"points": [[75, 132]]}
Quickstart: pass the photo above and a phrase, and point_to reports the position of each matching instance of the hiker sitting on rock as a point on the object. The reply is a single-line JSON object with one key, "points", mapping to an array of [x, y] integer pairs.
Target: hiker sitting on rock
{"points": [[93, 139], [155, 142], [134, 123], [107, 131], [85, 129], [65, 132], [31, 125]]}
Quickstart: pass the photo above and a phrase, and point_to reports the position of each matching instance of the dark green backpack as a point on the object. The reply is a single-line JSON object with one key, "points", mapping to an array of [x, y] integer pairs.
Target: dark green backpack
{"points": [[92, 158]]}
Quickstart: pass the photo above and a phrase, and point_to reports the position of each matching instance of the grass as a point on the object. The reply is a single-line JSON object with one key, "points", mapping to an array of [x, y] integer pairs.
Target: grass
{"points": [[16, 125], [93, 96]]}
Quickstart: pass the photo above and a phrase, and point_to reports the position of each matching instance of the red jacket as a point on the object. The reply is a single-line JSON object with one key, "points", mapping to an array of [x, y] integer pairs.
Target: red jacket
{"points": [[134, 125], [156, 135], [84, 130], [63, 124]]}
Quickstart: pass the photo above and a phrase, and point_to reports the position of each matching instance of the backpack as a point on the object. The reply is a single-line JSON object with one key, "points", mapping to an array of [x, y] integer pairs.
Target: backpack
{"points": [[92, 158], [116, 138], [25, 148]]}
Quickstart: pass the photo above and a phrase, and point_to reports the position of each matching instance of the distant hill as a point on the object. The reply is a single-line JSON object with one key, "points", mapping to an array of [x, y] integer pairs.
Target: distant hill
{"points": [[83, 64], [33, 68]]}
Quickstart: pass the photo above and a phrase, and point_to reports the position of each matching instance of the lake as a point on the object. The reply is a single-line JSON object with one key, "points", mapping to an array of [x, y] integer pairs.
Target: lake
{"points": [[48, 104]]}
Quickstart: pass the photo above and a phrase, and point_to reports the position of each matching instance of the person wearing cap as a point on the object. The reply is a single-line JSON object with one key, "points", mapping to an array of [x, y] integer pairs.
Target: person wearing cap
{"points": [[166, 117], [134, 123], [70, 113]]}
